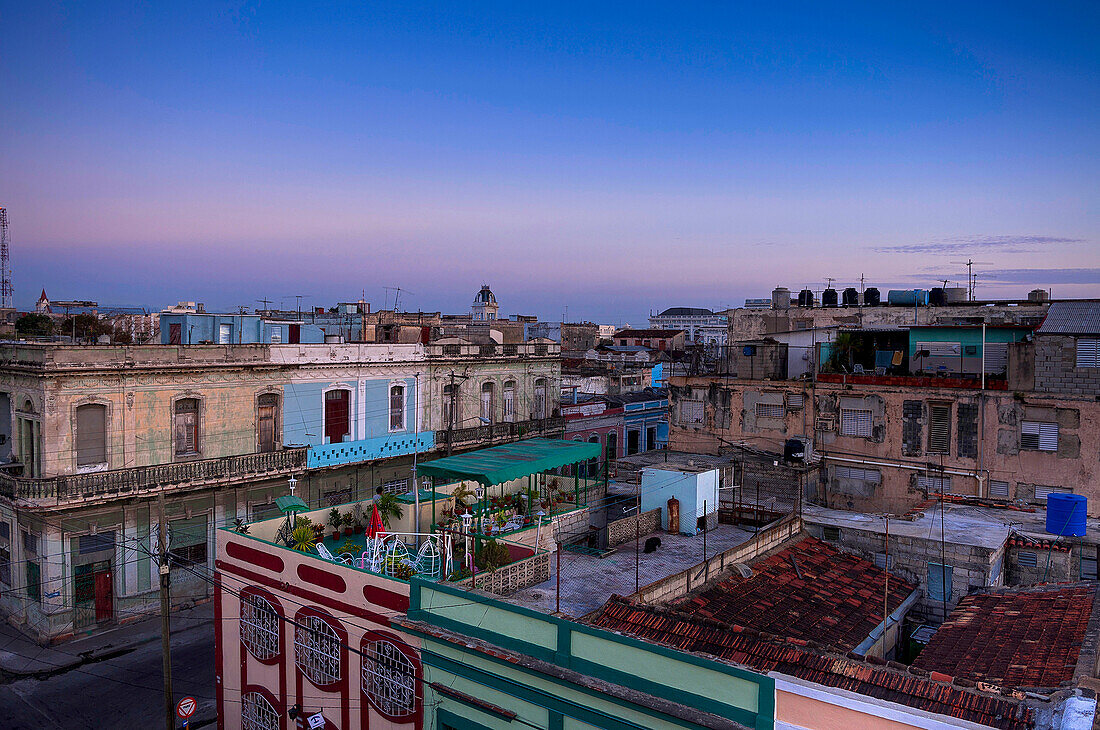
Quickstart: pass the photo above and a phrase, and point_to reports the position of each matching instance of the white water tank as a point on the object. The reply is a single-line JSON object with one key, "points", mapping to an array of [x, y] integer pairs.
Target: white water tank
{"points": [[781, 298]]}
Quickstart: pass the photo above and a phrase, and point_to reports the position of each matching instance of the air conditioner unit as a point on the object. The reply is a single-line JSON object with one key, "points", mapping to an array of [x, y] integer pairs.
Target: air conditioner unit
{"points": [[825, 423]]}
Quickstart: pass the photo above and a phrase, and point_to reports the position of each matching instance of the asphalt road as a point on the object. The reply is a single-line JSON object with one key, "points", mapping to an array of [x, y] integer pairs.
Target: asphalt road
{"points": [[123, 693]]}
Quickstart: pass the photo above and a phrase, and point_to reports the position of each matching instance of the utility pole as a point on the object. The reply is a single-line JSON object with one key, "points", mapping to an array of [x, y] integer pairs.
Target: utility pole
{"points": [[165, 626], [451, 416]]}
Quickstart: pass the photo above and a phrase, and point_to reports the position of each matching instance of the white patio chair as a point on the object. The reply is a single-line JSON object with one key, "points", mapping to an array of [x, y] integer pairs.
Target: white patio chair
{"points": [[428, 561], [342, 559], [371, 559]]}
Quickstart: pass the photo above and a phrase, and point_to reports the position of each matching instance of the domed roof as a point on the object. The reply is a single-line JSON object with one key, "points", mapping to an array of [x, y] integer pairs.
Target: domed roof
{"points": [[485, 296]]}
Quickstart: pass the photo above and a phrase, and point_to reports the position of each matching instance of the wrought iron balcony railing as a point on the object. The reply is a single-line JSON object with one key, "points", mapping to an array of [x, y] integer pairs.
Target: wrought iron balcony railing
{"points": [[499, 433], [225, 470]]}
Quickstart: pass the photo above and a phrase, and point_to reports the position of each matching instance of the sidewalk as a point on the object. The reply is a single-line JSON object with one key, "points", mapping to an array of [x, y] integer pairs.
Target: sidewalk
{"points": [[21, 657]]}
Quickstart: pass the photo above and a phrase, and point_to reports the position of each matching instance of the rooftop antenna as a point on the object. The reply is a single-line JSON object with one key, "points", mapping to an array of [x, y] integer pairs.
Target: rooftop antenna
{"points": [[829, 282], [264, 302], [6, 290], [970, 279], [397, 294]]}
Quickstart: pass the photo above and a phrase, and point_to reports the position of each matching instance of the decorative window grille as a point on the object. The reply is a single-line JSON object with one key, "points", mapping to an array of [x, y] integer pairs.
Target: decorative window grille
{"points": [[257, 713], [874, 476], [1038, 435], [691, 411], [1027, 559], [855, 422], [770, 410], [397, 408], [396, 486], [259, 627], [1041, 492], [389, 679], [934, 485], [998, 489], [510, 401], [317, 651], [939, 432], [1088, 353]]}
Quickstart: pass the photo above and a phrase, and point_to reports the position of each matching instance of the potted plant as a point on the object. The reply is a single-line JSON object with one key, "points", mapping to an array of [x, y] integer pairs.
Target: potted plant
{"points": [[348, 521], [357, 518], [351, 546], [334, 521], [301, 539], [389, 507]]}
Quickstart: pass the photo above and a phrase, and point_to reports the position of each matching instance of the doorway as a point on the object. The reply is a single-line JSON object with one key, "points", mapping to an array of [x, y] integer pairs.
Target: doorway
{"points": [[94, 594], [633, 439]]}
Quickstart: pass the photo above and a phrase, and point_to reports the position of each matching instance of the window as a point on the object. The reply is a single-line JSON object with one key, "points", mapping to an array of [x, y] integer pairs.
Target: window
{"points": [[186, 426], [934, 485], [267, 417], [1088, 562], [91, 435], [509, 401], [317, 650], [187, 539], [99, 542], [795, 401], [487, 402], [389, 679], [540, 399], [1039, 435], [225, 334], [939, 429], [266, 511], [397, 407], [939, 582], [396, 486], [855, 422], [32, 573], [830, 533], [1027, 559], [276, 335], [770, 410], [998, 489], [612, 446], [257, 713], [691, 412], [336, 415], [884, 561], [1041, 492], [1088, 353], [5, 553], [260, 629], [873, 476]]}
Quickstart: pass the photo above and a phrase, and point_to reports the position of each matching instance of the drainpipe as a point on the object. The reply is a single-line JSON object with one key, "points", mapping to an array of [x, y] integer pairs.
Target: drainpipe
{"points": [[893, 465]]}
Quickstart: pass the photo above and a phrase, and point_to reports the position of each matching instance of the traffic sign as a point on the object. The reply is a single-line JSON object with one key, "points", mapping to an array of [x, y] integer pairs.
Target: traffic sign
{"points": [[186, 707], [316, 721]]}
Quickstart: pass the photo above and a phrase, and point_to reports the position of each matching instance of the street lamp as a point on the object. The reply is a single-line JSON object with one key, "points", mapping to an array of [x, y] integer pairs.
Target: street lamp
{"points": [[293, 483]]}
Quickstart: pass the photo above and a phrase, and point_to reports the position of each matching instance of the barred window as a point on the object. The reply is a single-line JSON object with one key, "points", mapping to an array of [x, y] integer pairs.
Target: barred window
{"points": [[317, 651], [396, 486], [691, 412], [259, 627], [855, 422], [389, 678], [770, 410], [1088, 353], [257, 713]]}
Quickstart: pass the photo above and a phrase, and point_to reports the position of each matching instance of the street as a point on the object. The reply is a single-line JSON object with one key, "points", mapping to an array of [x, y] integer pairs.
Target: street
{"points": [[120, 693]]}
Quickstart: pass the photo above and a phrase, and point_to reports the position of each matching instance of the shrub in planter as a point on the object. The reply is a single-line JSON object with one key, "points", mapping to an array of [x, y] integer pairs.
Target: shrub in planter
{"points": [[335, 520], [348, 521], [491, 556]]}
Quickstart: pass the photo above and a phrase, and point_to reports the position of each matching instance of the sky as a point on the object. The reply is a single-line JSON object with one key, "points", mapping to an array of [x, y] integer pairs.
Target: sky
{"points": [[587, 161]]}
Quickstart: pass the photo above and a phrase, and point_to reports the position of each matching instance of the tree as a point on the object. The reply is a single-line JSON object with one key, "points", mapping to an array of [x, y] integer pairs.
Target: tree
{"points": [[34, 325], [86, 327]]}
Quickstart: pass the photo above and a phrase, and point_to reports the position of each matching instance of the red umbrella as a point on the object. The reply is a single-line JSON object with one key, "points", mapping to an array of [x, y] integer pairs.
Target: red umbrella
{"points": [[376, 529]]}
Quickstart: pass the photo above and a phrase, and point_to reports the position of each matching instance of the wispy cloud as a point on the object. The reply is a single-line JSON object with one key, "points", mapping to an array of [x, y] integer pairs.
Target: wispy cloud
{"points": [[1042, 276], [967, 244]]}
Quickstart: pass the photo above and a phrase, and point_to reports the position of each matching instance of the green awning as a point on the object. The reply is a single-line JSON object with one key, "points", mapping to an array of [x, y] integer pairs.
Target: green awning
{"points": [[289, 504], [503, 463]]}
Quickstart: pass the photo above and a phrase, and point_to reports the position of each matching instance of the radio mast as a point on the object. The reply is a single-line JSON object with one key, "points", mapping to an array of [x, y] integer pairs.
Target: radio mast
{"points": [[6, 291]]}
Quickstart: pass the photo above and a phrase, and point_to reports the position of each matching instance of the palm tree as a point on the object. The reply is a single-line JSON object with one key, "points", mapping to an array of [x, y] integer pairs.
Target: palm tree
{"points": [[389, 507], [303, 539], [462, 494]]}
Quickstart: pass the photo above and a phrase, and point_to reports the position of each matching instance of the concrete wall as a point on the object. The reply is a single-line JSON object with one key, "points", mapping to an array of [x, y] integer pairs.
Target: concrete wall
{"points": [[696, 492], [1056, 368]]}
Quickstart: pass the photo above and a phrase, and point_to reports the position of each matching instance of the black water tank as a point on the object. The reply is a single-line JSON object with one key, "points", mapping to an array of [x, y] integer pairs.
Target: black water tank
{"points": [[871, 296], [828, 298], [937, 297], [851, 297], [794, 450], [805, 298]]}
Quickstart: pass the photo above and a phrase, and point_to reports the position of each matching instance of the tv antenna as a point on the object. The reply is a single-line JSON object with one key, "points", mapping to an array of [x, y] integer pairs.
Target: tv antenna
{"points": [[6, 290], [264, 302], [397, 294], [970, 278], [829, 282]]}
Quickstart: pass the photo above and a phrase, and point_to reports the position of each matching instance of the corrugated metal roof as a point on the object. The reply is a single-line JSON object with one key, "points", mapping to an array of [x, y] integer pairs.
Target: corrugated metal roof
{"points": [[1071, 318]]}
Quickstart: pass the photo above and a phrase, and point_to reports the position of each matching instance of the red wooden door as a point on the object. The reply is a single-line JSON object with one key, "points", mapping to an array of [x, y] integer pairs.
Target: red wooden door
{"points": [[295, 334], [104, 596], [336, 415]]}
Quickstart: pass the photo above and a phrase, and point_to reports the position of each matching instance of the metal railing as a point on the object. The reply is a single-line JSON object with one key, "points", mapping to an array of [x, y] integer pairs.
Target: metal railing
{"points": [[499, 433], [228, 469]]}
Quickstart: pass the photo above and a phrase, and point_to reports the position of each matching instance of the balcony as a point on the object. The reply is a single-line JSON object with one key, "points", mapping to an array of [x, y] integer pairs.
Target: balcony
{"points": [[125, 482], [499, 433]]}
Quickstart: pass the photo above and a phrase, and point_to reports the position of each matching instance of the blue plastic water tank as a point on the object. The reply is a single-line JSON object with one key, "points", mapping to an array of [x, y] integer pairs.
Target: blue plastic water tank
{"points": [[1066, 514]]}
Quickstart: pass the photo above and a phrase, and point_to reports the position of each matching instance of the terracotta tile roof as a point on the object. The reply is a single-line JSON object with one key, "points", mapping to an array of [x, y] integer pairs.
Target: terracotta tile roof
{"points": [[1035, 543], [747, 647], [1028, 637], [809, 590]]}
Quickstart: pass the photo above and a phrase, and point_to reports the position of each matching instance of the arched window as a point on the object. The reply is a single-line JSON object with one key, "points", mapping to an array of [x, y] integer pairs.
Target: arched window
{"points": [[257, 713], [91, 435], [397, 407], [540, 399], [260, 630], [317, 650], [487, 405], [185, 422], [509, 401], [612, 445], [267, 422], [337, 422], [389, 679]]}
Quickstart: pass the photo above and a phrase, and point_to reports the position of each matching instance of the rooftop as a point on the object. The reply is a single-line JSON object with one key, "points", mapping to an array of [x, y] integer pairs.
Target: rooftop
{"points": [[500, 464], [648, 333], [1023, 637], [1071, 318], [686, 312], [808, 590]]}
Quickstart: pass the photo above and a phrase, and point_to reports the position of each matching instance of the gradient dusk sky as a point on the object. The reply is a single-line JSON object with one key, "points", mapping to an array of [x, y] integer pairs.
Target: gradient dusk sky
{"points": [[609, 159]]}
